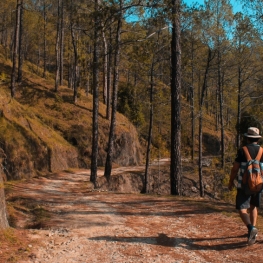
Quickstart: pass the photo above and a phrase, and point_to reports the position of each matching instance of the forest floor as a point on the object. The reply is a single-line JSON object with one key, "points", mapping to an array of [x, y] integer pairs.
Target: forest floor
{"points": [[69, 222]]}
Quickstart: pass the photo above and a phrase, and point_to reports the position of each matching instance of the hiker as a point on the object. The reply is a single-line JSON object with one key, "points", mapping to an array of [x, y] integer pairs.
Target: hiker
{"points": [[244, 202]]}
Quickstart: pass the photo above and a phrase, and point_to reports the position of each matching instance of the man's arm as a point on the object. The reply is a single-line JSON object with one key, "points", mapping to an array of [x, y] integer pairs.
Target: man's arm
{"points": [[233, 175]]}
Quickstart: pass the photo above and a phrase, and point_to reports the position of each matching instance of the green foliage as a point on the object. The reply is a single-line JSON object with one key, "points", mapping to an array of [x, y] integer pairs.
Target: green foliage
{"points": [[248, 120], [3, 77], [9, 235], [130, 105]]}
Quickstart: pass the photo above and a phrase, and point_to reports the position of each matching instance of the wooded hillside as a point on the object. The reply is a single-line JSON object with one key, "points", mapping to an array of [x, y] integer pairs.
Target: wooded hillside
{"points": [[60, 56]]}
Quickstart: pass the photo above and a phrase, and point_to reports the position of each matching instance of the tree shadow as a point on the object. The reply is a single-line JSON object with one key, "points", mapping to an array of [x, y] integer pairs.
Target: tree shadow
{"points": [[227, 243]]}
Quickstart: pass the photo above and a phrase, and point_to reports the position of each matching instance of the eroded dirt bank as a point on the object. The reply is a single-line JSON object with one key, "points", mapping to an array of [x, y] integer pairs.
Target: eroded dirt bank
{"points": [[73, 223]]}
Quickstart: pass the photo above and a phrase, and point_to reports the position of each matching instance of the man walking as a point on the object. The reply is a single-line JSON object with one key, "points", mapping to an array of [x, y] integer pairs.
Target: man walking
{"points": [[247, 204]]}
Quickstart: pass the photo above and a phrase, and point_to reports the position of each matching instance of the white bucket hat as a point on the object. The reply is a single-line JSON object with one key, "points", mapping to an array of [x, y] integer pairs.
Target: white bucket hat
{"points": [[252, 132]]}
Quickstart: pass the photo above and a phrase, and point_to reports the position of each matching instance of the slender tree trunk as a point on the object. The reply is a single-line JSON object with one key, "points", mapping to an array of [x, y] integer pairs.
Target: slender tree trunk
{"points": [[192, 104], [15, 47], [3, 216], [20, 46], [109, 78], [75, 66], [200, 163], [105, 68], [95, 148], [238, 138], [217, 111], [69, 64], [176, 166], [148, 151], [58, 64], [221, 109], [45, 41], [61, 53], [75, 56], [193, 122], [108, 164], [202, 95]]}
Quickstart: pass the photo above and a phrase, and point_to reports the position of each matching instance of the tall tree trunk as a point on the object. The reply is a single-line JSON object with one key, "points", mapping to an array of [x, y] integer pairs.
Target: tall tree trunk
{"points": [[75, 56], [109, 77], [94, 156], [149, 142], [108, 164], [45, 40], [176, 166], [200, 163], [105, 67], [3, 213], [105, 64], [20, 46], [58, 46], [217, 111], [238, 138], [61, 53], [3, 216], [221, 109], [192, 103], [15, 49], [75, 66], [202, 95]]}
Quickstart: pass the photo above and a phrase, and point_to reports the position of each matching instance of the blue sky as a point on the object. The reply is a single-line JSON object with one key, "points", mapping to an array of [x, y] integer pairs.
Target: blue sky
{"points": [[237, 7]]}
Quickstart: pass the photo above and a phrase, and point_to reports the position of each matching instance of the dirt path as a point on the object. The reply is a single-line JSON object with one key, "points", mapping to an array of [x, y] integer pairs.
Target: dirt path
{"points": [[80, 225]]}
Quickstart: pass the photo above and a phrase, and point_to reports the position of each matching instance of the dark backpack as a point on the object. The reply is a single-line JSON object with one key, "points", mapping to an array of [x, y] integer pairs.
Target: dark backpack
{"points": [[253, 175]]}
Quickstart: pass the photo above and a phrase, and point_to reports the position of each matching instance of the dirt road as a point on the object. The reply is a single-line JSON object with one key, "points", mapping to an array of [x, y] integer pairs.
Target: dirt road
{"points": [[80, 225]]}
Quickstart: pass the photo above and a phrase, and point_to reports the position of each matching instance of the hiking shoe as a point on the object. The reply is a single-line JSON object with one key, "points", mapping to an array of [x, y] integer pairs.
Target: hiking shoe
{"points": [[252, 235]]}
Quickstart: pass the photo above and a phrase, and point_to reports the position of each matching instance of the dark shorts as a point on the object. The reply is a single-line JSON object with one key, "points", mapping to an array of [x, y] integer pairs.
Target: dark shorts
{"points": [[244, 201]]}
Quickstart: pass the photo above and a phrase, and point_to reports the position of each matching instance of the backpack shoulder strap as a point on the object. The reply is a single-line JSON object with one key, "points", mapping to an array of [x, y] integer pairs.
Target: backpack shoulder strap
{"points": [[248, 157], [259, 155]]}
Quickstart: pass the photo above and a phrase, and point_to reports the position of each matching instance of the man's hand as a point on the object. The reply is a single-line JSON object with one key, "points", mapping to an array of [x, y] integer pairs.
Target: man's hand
{"points": [[233, 175]]}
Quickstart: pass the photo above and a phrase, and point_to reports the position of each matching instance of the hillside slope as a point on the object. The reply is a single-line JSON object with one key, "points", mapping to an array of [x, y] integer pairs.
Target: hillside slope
{"points": [[42, 131]]}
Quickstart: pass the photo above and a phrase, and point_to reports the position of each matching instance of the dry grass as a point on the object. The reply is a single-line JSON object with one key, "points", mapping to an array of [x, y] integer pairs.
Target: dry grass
{"points": [[14, 245]]}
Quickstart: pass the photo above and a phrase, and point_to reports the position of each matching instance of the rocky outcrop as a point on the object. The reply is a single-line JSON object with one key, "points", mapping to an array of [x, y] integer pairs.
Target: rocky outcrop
{"points": [[39, 141], [127, 148]]}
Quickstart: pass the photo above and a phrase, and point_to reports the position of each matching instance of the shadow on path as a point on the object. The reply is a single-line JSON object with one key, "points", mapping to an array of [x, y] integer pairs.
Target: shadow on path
{"points": [[226, 243]]}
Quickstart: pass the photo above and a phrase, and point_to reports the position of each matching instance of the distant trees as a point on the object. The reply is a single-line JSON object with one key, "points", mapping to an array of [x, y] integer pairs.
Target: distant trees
{"points": [[246, 53]]}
